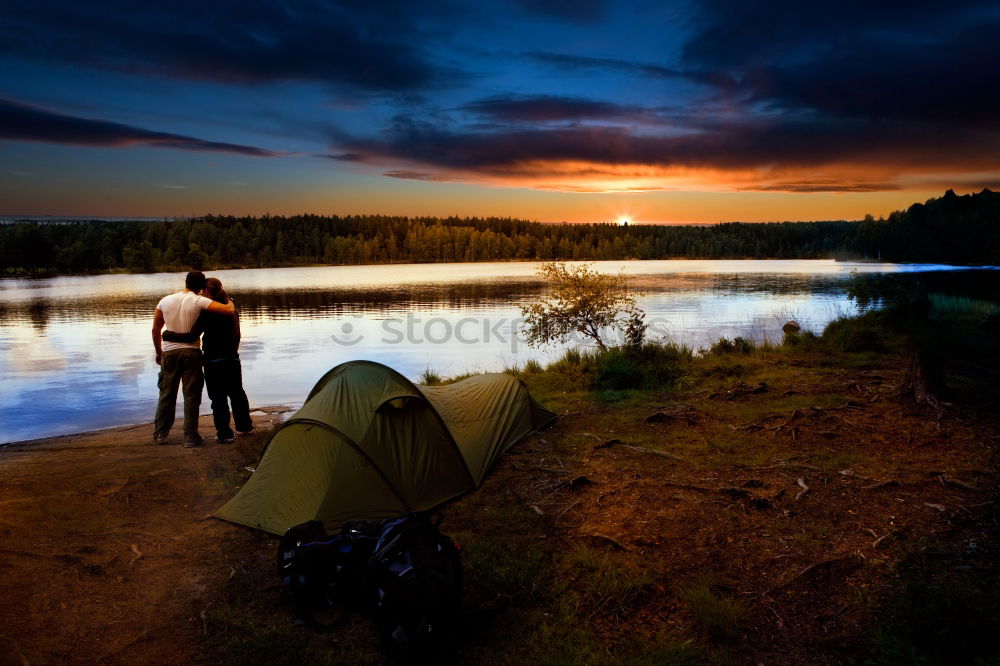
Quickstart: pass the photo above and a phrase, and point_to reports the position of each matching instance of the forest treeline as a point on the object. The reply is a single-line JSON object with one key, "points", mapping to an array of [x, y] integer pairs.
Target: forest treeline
{"points": [[950, 229]]}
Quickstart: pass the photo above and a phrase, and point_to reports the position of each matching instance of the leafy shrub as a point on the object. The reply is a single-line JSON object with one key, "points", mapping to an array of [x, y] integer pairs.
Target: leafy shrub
{"points": [[651, 366], [800, 339], [583, 302], [859, 334], [737, 345]]}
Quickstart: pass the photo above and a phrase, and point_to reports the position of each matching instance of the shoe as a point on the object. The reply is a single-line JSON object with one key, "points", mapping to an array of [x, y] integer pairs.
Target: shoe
{"points": [[159, 439], [192, 443], [225, 440], [245, 433]]}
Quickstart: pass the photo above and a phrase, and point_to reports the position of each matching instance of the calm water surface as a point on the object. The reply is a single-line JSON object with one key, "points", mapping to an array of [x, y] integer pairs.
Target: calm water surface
{"points": [[76, 352]]}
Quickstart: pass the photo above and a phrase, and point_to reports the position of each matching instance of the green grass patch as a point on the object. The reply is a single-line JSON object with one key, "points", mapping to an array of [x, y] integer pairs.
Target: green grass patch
{"points": [[604, 586], [723, 619], [961, 308], [651, 366], [531, 367], [875, 331]]}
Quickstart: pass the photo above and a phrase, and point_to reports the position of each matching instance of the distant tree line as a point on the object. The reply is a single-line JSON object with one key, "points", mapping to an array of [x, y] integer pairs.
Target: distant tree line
{"points": [[956, 229]]}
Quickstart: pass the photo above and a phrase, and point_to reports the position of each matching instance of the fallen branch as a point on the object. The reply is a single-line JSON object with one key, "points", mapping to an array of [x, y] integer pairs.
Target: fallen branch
{"points": [[795, 465], [566, 508], [957, 483], [612, 542], [805, 488], [684, 486], [875, 544], [849, 563], [26, 553], [662, 454], [891, 483]]}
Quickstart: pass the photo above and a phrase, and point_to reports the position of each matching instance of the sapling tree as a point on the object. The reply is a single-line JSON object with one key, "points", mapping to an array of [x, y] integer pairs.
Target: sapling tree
{"points": [[586, 302]]}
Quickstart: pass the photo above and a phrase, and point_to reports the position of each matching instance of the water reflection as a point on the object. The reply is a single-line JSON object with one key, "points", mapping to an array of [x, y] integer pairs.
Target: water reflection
{"points": [[75, 353], [38, 314]]}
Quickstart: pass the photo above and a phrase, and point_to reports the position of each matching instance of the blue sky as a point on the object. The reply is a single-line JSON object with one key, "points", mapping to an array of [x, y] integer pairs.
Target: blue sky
{"points": [[553, 110]]}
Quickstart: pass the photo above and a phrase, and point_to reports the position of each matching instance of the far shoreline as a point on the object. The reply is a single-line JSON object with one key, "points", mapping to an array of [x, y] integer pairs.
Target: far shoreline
{"points": [[174, 270]]}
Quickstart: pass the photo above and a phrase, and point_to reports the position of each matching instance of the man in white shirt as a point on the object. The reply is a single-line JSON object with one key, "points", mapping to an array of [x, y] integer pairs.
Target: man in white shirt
{"points": [[180, 362]]}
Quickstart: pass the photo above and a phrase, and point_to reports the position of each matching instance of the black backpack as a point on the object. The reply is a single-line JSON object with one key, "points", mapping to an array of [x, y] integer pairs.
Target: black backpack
{"points": [[322, 572], [415, 576]]}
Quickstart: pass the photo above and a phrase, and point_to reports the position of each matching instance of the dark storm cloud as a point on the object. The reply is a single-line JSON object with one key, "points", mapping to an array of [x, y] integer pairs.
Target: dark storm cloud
{"points": [[354, 44], [552, 108], [568, 61], [732, 33], [885, 61], [27, 123], [741, 145], [418, 175], [890, 86]]}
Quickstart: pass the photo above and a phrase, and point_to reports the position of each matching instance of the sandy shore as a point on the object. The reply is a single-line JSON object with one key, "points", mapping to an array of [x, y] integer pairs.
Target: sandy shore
{"points": [[107, 546]]}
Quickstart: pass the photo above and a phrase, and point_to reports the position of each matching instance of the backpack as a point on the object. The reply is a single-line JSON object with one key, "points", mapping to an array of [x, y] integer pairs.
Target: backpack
{"points": [[415, 577], [322, 572]]}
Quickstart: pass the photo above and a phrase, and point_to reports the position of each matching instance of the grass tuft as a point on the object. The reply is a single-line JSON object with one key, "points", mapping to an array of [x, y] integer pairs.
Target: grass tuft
{"points": [[858, 334], [429, 378], [532, 367], [723, 619], [604, 586]]}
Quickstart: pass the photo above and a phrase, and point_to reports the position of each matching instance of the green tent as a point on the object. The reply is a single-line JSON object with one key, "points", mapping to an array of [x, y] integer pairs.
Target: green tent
{"points": [[369, 444]]}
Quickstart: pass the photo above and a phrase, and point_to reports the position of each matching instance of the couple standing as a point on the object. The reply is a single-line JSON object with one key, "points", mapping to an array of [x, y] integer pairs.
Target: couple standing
{"points": [[202, 307]]}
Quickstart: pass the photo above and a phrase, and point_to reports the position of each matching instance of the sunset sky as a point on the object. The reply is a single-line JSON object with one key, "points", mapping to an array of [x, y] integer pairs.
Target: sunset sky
{"points": [[553, 110]]}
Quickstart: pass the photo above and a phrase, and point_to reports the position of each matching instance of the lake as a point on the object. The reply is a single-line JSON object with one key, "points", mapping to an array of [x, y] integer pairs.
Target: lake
{"points": [[76, 352]]}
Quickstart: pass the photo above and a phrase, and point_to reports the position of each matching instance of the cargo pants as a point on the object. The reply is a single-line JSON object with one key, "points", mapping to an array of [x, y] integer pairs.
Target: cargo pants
{"points": [[180, 366]]}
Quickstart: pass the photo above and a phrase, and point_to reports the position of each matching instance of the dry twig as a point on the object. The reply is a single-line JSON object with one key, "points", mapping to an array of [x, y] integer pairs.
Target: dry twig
{"points": [[662, 454]]}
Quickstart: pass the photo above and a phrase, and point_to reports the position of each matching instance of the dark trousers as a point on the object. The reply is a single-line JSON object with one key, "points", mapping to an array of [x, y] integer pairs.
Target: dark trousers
{"points": [[224, 378], [179, 366]]}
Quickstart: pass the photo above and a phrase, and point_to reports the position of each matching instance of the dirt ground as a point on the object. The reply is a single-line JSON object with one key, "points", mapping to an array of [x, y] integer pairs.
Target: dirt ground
{"points": [[798, 490], [107, 549]]}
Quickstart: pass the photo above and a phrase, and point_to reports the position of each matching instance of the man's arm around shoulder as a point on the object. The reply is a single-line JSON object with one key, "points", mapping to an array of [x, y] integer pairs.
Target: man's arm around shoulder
{"points": [[219, 308]]}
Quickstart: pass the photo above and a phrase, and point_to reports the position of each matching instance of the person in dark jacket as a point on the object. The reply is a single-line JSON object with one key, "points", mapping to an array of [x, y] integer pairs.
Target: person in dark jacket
{"points": [[220, 346]]}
